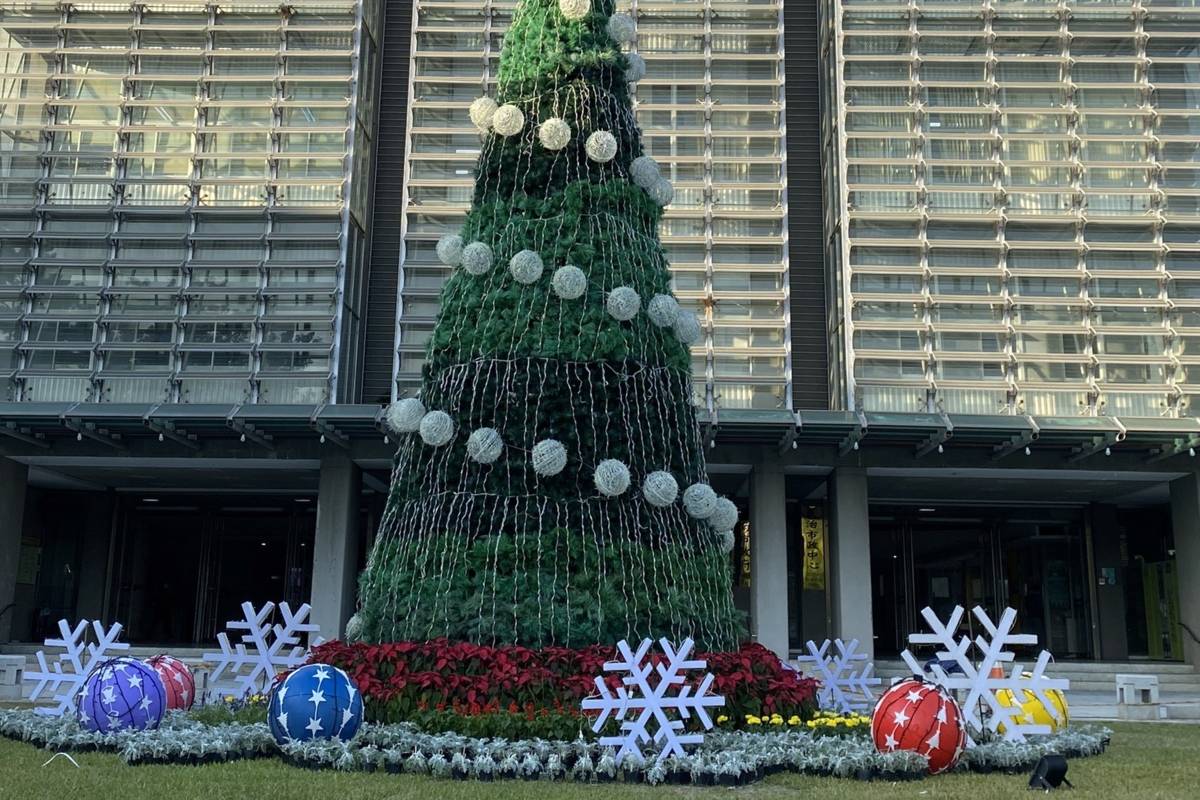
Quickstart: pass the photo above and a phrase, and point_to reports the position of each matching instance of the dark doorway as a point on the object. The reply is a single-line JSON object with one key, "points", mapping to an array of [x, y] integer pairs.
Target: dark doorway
{"points": [[186, 564], [1032, 560]]}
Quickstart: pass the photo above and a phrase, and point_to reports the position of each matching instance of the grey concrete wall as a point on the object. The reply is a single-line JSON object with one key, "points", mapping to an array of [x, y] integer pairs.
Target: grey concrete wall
{"points": [[768, 557], [850, 558], [1185, 523], [14, 481], [1110, 598], [335, 548]]}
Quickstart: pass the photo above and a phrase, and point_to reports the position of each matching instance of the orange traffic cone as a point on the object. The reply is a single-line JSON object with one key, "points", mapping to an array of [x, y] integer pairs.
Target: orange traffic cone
{"points": [[997, 671]]}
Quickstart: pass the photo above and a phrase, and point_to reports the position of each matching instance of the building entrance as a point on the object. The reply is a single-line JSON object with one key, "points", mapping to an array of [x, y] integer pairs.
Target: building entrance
{"points": [[1030, 560], [183, 567]]}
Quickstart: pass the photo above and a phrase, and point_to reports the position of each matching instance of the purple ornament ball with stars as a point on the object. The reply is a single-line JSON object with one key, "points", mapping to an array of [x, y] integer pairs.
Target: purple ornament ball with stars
{"points": [[121, 694], [316, 701]]}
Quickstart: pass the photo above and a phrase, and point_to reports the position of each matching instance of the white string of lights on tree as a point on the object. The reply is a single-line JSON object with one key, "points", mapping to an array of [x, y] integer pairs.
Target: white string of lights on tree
{"points": [[583, 423]]}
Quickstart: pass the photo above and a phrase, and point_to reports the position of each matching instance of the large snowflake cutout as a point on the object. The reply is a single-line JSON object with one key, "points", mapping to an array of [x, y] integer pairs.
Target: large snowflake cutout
{"points": [[650, 702], [66, 674], [845, 676], [264, 650], [982, 709]]}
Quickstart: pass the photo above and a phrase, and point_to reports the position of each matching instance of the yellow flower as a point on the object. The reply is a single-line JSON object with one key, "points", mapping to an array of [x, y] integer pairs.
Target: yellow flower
{"points": [[812, 723], [753, 720], [793, 720], [229, 698], [721, 720], [852, 723], [776, 719]]}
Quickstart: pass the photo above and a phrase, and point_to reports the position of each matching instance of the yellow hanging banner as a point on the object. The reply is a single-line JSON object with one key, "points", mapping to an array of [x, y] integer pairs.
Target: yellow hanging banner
{"points": [[812, 529]]}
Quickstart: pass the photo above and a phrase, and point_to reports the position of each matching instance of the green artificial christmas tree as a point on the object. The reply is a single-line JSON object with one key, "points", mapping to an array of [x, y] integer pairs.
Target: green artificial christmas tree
{"points": [[549, 487]]}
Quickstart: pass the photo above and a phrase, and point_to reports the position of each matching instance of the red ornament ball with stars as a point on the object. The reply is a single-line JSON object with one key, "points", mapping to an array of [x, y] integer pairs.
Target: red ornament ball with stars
{"points": [[177, 680], [918, 716]]}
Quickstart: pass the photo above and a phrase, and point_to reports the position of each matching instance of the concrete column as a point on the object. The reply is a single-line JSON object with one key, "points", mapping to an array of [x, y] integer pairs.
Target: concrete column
{"points": [[97, 513], [768, 557], [14, 480], [1110, 598], [335, 549], [850, 558], [1185, 524]]}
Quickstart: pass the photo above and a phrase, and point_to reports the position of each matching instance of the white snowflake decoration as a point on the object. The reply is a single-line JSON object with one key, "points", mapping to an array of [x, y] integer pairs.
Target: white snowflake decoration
{"points": [[65, 676], [652, 702], [845, 676], [975, 677], [273, 648]]}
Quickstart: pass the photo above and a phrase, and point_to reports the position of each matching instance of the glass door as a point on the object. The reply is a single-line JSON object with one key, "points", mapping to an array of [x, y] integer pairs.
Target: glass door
{"points": [[1043, 573], [928, 558]]}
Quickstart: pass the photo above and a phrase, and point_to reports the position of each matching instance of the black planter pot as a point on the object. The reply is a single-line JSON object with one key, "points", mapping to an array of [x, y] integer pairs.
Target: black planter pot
{"points": [[458, 773], [726, 780], [865, 774], [369, 766], [602, 777], [486, 777], [392, 768]]}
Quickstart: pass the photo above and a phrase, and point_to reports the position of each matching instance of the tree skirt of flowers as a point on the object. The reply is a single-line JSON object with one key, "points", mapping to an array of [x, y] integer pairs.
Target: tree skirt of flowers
{"points": [[727, 757], [402, 680]]}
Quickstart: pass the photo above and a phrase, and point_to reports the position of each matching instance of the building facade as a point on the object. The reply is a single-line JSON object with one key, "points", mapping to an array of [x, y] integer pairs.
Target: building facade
{"points": [[941, 252]]}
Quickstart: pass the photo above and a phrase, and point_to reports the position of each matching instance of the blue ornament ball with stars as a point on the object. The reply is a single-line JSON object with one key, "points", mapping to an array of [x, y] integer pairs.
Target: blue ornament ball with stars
{"points": [[316, 701], [121, 694]]}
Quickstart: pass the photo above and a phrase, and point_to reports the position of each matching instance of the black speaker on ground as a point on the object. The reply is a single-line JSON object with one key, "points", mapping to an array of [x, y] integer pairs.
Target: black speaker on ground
{"points": [[1050, 773]]}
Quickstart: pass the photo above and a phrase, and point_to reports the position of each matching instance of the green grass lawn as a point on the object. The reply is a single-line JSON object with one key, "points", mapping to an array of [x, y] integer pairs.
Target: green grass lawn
{"points": [[1144, 761]]}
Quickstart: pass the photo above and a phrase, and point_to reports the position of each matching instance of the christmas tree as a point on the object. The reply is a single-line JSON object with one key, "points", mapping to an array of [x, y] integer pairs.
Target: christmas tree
{"points": [[549, 487]]}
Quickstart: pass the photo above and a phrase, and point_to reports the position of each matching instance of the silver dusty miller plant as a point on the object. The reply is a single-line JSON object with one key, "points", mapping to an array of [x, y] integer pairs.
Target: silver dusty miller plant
{"points": [[973, 675], [845, 675], [643, 705], [264, 650], [65, 675]]}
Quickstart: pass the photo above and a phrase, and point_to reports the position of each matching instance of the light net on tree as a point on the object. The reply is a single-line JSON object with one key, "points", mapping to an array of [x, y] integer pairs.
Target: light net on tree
{"points": [[496, 550]]}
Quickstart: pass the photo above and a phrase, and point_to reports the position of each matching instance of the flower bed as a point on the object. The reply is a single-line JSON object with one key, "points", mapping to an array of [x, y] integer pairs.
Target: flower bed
{"points": [[180, 739], [400, 679], [727, 757]]}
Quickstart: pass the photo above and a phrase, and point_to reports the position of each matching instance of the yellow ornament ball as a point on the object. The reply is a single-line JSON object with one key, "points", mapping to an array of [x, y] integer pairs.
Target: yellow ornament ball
{"points": [[1034, 712]]}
